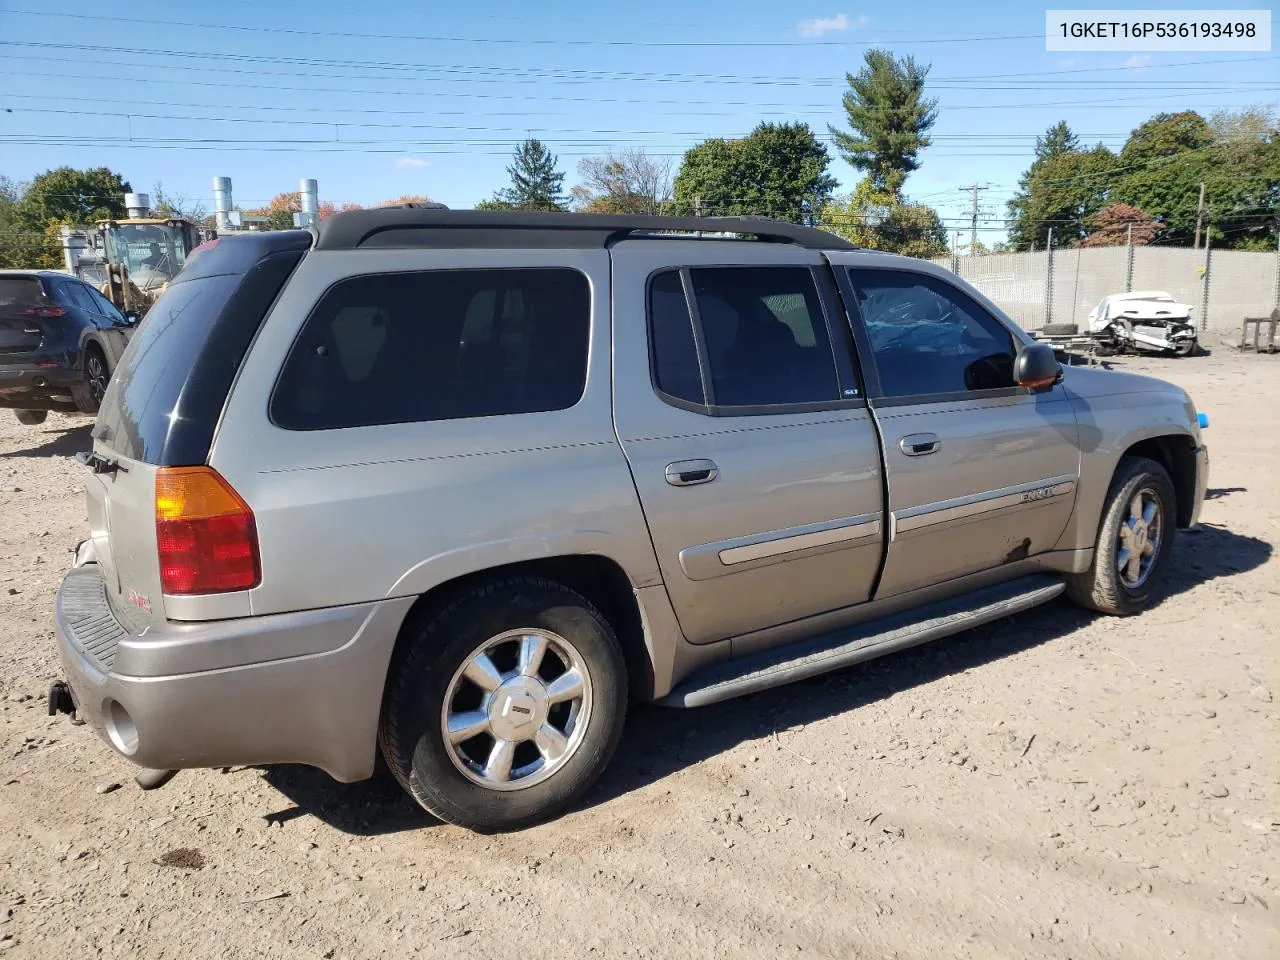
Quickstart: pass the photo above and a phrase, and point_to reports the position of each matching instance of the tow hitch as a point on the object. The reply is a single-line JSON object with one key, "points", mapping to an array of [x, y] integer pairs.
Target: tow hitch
{"points": [[61, 701]]}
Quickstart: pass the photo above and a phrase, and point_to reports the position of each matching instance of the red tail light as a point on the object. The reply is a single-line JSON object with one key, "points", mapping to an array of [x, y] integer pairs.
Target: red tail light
{"points": [[44, 313], [206, 535]]}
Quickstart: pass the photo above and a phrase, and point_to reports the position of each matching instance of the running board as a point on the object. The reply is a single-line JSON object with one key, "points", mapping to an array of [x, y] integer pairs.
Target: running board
{"points": [[863, 641]]}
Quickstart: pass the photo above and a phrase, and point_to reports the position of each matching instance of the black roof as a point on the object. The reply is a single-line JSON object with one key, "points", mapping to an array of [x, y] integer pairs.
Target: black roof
{"points": [[408, 227]]}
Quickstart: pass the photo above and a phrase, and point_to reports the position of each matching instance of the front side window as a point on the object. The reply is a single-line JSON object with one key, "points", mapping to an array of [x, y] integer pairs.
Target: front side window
{"points": [[759, 338], [928, 337], [437, 345]]}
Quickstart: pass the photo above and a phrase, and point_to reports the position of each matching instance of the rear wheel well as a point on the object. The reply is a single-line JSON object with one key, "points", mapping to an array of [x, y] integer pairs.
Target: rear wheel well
{"points": [[1177, 455], [597, 578]]}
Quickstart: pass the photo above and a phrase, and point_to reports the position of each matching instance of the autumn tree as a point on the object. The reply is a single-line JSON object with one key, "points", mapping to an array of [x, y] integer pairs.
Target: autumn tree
{"points": [[631, 182], [418, 199], [879, 220], [167, 204], [1118, 224], [889, 119]]}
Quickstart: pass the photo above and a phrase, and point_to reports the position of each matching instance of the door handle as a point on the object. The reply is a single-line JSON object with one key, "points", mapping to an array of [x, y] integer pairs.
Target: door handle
{"points": [[919, 444], [688, 473]]}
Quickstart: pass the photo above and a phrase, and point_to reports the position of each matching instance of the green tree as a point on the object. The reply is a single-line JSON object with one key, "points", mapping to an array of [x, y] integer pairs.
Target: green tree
{"points": [[889, 119], [879, 220], [1059, 192], [779, 170], [66, 195], [536, 184], [1057, 139], [22, 248], [1236, 157]]}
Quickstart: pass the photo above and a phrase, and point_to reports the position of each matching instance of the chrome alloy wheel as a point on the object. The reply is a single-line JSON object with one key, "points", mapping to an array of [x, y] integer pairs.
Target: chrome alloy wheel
{"points": [[1139, 542], [517, 709]]}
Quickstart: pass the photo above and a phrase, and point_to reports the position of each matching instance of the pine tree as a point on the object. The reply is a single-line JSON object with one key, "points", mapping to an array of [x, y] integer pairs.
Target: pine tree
{"points": [[889, 119], [536, 184], [1057, 139]]}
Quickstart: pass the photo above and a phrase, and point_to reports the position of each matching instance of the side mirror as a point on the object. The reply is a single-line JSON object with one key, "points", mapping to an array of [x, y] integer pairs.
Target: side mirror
{"points": [[1037, 367]]}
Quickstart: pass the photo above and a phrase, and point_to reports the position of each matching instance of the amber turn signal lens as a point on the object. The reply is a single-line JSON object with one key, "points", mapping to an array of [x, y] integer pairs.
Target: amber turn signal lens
{"points": [[206, 535]]}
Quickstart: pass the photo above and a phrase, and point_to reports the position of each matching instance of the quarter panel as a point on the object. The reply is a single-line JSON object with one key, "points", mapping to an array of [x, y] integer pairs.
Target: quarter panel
{"points": [[352, 515]]}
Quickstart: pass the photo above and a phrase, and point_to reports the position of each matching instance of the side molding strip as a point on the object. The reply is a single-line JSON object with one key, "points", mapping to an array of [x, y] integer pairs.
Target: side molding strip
{"points": [[990, 501]]}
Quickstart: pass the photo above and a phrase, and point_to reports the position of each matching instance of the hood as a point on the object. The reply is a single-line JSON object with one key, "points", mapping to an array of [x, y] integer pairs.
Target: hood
{"points": [[1150, 309], [1095, 382]]}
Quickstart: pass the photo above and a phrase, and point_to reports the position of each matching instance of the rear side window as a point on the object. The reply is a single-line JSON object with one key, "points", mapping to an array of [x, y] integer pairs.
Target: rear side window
{"points": [[437, 345], [759, 335], [77, 295], [146, 392]]}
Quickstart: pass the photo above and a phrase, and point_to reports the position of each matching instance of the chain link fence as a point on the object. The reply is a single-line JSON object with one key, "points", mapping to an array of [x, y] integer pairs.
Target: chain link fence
{"points": [[1062, 286]]}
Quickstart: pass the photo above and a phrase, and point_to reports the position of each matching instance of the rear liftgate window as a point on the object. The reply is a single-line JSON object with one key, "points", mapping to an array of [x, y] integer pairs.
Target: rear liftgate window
{"points": [[437, 345]]}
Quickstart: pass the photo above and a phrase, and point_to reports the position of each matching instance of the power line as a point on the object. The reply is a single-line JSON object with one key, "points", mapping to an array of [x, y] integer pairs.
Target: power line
{"points": [[1100, 104]]}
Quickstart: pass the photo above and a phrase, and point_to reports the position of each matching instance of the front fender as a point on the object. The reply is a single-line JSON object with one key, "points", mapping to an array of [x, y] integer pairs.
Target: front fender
{"points": [[1110, 426]]}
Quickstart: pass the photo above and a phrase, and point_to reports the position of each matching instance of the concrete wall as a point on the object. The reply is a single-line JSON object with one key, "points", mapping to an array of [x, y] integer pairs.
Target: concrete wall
{"points": [[1239, 284]]}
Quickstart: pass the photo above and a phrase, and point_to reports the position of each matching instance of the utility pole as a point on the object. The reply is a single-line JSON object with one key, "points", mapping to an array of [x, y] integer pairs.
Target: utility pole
{"points": [[974, 189], [1199, 216]]}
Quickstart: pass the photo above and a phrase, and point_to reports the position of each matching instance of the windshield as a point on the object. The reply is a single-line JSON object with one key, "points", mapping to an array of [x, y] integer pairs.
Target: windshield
{"points": [[152, 252]]}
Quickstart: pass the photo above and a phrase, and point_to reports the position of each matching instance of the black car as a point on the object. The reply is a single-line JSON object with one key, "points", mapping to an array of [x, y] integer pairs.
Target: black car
{"points": [[59, 341]]}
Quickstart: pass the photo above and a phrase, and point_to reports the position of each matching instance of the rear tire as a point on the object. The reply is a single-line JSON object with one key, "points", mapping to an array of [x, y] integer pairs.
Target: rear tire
{"points": [[1135, 541], [88, 393], [31, 418], [504, 707]]}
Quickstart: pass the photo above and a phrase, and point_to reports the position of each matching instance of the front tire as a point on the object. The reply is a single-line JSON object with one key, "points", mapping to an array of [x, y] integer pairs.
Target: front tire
{"points": [[505, 706], [31, 418], [1135, 541]]}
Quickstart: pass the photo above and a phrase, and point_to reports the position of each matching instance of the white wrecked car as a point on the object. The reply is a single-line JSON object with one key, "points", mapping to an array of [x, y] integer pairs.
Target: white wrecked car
{"points": [[1148, 321]]}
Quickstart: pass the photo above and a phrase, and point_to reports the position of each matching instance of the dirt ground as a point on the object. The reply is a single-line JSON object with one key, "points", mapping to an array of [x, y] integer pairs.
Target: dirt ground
{"points": [[1054, 786]]}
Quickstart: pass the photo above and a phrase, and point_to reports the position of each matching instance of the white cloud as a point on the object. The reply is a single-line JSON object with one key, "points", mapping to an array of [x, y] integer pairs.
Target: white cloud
{"points": [[1138, 61], [840, 23], [411, 163]]}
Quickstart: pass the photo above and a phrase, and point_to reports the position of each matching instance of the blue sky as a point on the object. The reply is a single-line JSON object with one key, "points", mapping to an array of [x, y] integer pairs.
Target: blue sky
{"points": [[378, 99]]}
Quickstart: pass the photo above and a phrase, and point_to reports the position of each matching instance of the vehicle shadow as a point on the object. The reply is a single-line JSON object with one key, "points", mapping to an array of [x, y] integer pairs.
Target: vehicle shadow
{"points": [[1217, 493], [59, 442], [660, 741]]}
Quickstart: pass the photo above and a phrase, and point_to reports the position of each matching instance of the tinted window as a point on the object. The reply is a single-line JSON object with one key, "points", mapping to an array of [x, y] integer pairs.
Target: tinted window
{"points": [[77, 295], [675, 355], [928, 337], [437, 345], [764, 337], [146, 391], [20, 292], [105, 306]]}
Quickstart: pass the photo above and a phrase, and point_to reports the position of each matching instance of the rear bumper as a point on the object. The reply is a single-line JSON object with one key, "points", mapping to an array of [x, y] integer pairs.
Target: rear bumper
{"points": [[32, 387], [288, 688]]}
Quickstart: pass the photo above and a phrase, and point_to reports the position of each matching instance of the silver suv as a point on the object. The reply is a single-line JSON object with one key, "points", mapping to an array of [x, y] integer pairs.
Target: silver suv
{"points": [[457, 488]]}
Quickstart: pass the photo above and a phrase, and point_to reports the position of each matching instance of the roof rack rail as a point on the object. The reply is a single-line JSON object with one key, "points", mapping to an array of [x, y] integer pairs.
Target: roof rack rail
{"points": [[420, 226]]}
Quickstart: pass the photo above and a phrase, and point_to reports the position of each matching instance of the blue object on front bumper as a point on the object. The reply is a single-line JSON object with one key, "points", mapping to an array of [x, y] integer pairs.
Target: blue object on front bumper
{"points": [[1203, 419]]}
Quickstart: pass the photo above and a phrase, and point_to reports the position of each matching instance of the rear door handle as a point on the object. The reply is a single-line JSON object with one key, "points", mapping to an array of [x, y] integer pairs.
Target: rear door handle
{"points": [[688, 473], [919, 444]]}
